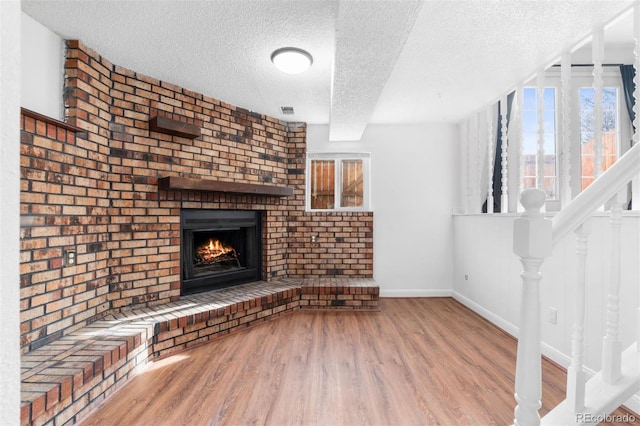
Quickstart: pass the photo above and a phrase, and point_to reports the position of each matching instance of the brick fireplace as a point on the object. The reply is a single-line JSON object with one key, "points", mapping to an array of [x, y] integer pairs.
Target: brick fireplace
{"points": [[103, 186]]}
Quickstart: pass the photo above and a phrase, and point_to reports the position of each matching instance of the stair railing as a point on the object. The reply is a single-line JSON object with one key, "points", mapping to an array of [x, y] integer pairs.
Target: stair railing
{"points": [[534, 237]]}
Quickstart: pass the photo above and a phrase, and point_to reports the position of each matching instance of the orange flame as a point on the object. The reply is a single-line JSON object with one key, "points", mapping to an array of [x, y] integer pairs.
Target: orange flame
{"points": [[213, 249]]}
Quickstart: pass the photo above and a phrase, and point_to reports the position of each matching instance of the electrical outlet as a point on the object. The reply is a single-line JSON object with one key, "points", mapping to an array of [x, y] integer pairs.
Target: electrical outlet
{"points": [[466, 277], [553, 315], [69, 258]]}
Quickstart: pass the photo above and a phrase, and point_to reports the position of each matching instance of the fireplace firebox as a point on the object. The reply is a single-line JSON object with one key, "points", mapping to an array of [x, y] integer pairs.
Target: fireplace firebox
{"points": [[220, 248]]}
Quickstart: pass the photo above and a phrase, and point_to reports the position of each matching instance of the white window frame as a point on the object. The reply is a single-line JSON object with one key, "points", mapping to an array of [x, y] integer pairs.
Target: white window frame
{"points": [[337, 158], [583, 77]]}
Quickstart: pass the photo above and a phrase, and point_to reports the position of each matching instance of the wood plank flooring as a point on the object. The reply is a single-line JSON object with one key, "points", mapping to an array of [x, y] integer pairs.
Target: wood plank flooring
{"points": [[415, 362]]}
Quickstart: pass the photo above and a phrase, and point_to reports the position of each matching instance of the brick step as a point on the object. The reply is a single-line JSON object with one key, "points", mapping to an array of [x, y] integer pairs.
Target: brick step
{"points": [[66, 378], [340, 293]]}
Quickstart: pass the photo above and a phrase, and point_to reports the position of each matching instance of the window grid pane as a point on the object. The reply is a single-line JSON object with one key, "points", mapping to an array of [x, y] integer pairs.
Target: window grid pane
{"points": [[587, 131], [351, 194], [322, 184]]}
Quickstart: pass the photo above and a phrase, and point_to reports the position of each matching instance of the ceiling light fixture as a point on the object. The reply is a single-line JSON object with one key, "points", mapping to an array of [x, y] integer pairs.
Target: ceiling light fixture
{"points": [[291, 60]]}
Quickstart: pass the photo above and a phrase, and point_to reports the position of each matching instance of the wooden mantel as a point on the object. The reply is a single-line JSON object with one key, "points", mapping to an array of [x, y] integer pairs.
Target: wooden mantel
{"points": [[190, 184]]}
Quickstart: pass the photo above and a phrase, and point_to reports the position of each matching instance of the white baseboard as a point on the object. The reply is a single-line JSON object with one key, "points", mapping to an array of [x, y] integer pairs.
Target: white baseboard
{"points": [[633, 404], [559, 358], [486, 314], [415, 293], [550, 352]]}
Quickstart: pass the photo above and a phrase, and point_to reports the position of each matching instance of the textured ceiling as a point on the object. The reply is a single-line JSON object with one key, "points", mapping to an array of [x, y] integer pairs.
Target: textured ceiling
{"points": [[369, 38], [398, 61]]}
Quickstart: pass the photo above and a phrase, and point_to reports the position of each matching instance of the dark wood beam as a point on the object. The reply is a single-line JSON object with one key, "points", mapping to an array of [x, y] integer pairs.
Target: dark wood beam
{"points": [[174, 127], [190, 184]]}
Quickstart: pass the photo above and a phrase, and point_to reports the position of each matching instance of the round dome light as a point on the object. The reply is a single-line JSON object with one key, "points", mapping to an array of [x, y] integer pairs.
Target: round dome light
{"points": [[291, 60]]}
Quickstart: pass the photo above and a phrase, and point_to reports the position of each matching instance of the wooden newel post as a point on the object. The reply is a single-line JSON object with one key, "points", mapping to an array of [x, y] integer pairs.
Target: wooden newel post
{"points": [[532, 242]]}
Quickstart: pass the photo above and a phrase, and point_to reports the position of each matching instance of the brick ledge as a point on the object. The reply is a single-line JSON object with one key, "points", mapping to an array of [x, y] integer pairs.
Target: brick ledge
{"points": [[66, 378]]}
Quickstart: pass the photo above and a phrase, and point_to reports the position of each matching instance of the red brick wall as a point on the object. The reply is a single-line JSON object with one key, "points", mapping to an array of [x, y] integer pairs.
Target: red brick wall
{"points": [[64, 205], [96, 192], [343, 244]]}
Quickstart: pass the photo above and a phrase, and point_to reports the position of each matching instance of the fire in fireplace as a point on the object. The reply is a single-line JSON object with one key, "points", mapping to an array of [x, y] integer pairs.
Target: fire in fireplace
{"points": [[214, 255], [220, 248]]}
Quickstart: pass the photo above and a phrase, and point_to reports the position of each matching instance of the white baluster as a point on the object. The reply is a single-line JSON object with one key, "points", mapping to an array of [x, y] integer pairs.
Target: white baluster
{"points": [[565, 78], [540, 86], [635, 185], [612, 346], [576, 377], [475, 142], [467, 160], [471, 146], [598, 55], [514, 149], [490, 158], [504, 198], [520, 150], [479, 164], [532, 243]]}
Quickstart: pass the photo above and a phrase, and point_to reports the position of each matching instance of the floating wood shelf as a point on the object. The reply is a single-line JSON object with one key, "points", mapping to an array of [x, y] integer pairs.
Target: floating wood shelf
{"points": [[174, 127], [189, 184]]}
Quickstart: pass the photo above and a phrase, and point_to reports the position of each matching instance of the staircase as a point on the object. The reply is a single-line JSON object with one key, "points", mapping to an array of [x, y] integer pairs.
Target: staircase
{"points": [[587, 401], [601, 397]]}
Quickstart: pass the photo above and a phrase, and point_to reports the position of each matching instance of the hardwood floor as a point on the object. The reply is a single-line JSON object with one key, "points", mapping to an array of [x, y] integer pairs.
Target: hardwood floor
{"points": [[416, 362]]}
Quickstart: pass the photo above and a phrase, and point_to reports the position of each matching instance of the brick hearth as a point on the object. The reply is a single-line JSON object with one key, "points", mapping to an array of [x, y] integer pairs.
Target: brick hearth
{"points": [[65, 379]]}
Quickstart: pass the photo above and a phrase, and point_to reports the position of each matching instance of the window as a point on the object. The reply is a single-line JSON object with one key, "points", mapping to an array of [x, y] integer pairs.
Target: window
{"points": [[530, 144], [610, 133], [616, 129], [338, 182]]}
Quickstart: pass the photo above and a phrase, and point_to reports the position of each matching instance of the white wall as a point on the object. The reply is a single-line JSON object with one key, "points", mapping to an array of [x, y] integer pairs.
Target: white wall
{"points": [[483, 252], [9, 212], [42, 69], [413, 178]]}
